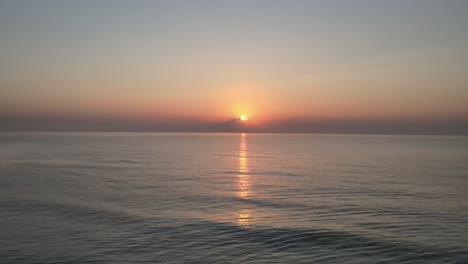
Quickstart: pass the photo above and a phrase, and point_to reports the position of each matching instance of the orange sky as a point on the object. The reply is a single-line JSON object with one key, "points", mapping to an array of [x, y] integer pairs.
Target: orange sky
{"points": [[213, 61]]}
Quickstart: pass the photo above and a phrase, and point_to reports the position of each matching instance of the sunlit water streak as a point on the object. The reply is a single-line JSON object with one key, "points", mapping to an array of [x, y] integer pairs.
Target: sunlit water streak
{"points": [[232, 198], [245, 214]]}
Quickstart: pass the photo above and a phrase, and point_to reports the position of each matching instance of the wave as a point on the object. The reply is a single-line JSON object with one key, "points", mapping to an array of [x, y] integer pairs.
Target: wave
{"points": [[156, 237], [313, 242]]}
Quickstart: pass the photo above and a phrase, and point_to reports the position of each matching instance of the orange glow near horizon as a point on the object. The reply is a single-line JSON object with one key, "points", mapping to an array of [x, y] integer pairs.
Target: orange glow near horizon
{"points": [[252, 103]]}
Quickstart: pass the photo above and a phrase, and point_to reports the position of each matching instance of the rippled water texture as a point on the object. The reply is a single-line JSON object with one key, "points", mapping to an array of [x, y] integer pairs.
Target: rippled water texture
{"points": [[232, 198]]}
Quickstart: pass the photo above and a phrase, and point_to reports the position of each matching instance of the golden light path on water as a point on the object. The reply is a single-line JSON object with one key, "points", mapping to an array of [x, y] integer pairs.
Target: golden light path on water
{"points": [[243, 181]]}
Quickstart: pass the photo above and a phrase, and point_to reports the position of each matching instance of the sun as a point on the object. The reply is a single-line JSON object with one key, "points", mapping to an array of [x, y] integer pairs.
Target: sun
{"points": [[243, 118]]}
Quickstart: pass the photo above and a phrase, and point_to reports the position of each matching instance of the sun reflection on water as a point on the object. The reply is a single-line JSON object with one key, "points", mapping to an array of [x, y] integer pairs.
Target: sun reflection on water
{"points": [[243, 182]]}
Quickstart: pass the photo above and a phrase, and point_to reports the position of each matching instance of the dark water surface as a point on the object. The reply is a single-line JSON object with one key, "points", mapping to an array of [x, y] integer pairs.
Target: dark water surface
{"points": [[232, 198]]}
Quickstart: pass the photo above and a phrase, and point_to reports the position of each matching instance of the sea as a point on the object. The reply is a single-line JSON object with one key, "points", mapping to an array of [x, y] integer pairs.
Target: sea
{"points": [[232, 198]]}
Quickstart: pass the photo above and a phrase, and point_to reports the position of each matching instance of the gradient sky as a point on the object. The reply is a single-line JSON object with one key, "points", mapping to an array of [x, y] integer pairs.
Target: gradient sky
{"points": [[212, 60]]}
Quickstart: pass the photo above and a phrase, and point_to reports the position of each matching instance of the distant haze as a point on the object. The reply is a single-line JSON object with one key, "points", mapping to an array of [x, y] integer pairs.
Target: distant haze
{"points": [[355, 126], [289, 66]]}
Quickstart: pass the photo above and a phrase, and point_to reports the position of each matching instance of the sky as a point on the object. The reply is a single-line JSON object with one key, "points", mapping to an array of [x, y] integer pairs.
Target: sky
{"points": [[289, 66]]}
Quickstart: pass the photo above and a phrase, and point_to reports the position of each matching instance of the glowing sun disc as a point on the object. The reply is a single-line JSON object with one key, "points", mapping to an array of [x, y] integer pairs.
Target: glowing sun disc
{"points": [[243, 117]]}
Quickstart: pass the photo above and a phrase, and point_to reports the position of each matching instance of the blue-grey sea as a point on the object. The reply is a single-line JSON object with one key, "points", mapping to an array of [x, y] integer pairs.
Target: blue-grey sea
{"points": [[232, 198]]}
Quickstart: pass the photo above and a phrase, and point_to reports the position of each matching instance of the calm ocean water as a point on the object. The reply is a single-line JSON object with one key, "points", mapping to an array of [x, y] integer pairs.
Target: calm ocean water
{"points": [[232, 198]]}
